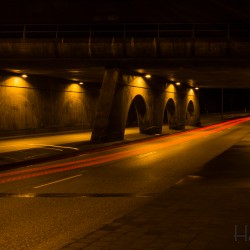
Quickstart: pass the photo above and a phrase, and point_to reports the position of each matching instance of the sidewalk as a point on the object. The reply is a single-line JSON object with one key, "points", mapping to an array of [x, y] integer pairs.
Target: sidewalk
{"points": [[68, 144], [205, 211]]}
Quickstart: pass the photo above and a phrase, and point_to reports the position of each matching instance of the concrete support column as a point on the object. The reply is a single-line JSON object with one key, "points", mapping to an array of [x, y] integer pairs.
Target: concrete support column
{"points": [[181, 109], [101, 123]]}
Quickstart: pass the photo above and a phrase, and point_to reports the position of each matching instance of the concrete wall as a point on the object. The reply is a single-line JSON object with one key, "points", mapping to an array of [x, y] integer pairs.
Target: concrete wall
{"points": [[129, 47], [151, 98], [39, 104]]}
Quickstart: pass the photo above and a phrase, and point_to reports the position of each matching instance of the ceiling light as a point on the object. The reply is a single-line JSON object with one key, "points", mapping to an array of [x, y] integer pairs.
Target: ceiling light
{"points": [[148, 76], [178, 83], [24, 76], [196, 88], [81, 83]]}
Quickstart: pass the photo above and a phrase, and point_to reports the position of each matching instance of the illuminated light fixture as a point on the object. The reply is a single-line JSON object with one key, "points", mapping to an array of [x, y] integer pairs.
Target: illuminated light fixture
{"points": [[196, 88], [148, 76], [81, 83], [24, 76], [178, 83]]}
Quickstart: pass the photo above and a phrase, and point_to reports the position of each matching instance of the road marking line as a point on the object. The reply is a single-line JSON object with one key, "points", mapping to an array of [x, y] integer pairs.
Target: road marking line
{"points": [[53, 146], [50, 183], [145, 155]]}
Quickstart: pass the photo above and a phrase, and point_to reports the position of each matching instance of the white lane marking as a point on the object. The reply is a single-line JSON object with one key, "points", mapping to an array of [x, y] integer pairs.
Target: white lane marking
{"points": [[54, 182], [53, 146], [145, 155]]}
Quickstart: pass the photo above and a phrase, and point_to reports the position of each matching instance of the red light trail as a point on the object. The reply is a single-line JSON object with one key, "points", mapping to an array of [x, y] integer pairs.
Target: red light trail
{"points": [[159, 143]]}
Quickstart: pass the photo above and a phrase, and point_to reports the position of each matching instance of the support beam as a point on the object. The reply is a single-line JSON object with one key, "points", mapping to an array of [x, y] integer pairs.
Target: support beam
{"points": [[101, 123]]}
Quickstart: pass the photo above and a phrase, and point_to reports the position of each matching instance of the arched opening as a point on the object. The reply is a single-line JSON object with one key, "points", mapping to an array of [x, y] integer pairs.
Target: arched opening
{"points": [[165, 118], [190, 113], [169, 114], [132, 120], [136, 113]]}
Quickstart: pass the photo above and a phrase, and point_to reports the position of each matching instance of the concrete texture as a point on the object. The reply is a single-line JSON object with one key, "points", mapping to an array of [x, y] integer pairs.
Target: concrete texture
{"points": [[101, 127], [131, 47], [44, 104]]}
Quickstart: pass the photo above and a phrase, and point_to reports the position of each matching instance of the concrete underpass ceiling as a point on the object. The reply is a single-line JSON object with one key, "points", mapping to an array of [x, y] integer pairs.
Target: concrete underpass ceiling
{"points": [[206, 77]]}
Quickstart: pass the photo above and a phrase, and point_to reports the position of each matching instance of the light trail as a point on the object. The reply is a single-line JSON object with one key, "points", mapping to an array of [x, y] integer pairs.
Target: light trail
{"points": [[109, 157]]}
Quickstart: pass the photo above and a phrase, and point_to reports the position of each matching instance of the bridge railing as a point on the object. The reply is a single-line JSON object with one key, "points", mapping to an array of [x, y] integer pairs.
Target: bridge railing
{"points": [[127, 30]]}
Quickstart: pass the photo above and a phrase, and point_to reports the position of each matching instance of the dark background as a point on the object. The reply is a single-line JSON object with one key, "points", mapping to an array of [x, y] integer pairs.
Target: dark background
{"points": [[234, 100], [82, 11]]}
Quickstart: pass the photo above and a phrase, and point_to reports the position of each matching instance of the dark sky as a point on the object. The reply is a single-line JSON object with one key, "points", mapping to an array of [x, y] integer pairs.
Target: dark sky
{"points": [[82, 11]]}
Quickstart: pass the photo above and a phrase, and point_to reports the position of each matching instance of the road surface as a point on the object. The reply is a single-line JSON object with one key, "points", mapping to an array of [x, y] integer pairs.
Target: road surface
{"points": [[46, 206]]}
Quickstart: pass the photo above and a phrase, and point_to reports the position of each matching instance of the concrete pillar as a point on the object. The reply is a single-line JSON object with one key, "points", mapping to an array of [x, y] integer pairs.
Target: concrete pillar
{"points": [[105, 102], [181, 109]]}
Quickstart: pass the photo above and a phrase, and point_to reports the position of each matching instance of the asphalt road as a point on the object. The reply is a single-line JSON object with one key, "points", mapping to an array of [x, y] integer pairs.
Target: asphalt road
{"points": [[46, 206]]}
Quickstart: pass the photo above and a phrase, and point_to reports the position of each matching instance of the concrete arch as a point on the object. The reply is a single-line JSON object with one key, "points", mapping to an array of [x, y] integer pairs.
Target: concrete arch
{"points": [[170, 113], [190, 113], [137, 112]]}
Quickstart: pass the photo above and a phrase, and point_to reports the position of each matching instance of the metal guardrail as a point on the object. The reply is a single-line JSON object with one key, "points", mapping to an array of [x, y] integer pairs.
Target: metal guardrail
{"points": [[126, 30]]}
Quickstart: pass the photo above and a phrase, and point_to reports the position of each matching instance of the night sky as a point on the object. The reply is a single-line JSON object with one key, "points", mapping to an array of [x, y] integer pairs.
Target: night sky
{"points": [[82, 11]]}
